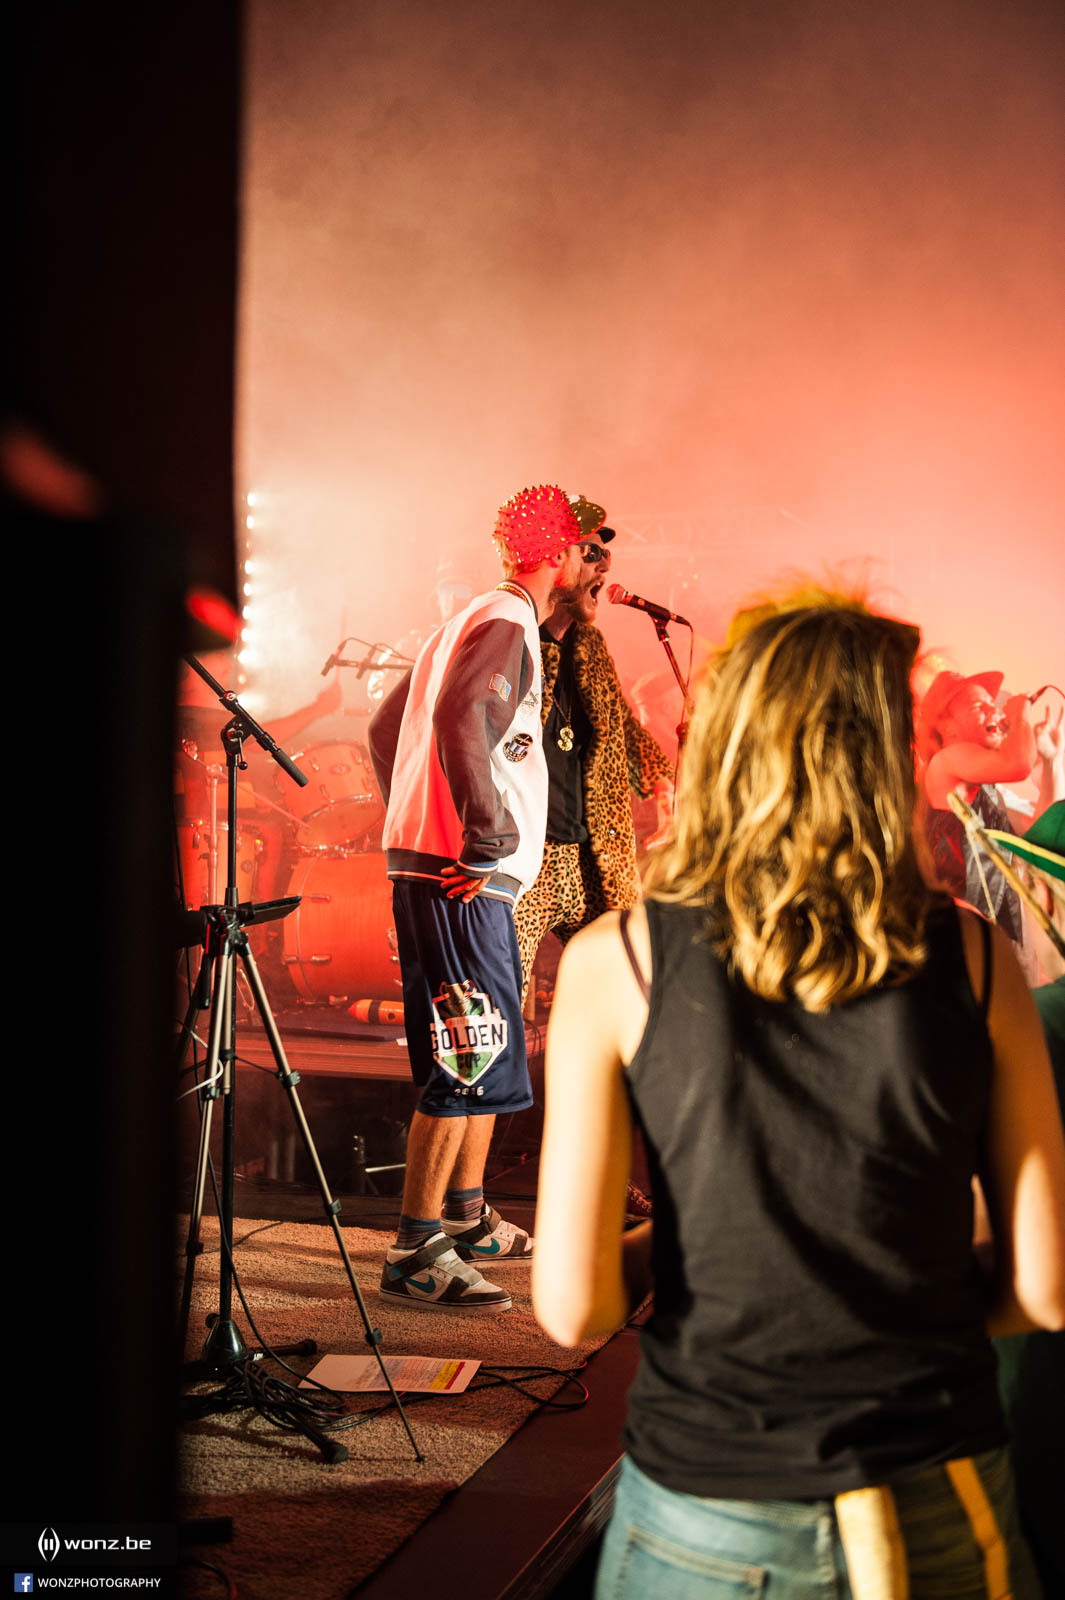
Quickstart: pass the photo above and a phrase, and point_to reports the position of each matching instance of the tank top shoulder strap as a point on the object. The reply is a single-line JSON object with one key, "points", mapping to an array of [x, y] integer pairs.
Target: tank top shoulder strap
{"points": [[946, 929], [637, 970]]}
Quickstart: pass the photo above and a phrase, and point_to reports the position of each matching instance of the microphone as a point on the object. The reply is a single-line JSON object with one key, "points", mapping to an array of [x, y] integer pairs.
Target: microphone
{"points": [[621, 597]]}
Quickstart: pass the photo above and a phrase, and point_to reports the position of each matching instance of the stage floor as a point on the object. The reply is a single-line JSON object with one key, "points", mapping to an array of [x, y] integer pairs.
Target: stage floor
{"points": [[535, 1510]]}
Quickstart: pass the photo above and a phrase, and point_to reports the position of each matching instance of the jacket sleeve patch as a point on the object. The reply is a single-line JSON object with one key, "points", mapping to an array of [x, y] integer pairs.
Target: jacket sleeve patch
{"points": [[499, 685]]}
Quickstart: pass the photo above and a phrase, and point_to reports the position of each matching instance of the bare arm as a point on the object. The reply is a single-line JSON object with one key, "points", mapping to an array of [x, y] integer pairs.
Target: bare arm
{"points": [[1025, 1182], [1050, 746], [975, 764], [284, 729], [584, 1280]]}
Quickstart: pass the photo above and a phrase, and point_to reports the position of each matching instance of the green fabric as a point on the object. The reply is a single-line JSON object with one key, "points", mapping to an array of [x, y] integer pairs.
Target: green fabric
{"points": [[1043, 846]]}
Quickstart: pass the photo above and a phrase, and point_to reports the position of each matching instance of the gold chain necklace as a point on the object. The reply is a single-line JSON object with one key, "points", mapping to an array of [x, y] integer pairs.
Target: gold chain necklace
{"points": [[564, 737], [516, 588]]}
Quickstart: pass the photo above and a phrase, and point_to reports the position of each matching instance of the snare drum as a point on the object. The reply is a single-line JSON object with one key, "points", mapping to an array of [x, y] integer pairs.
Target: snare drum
{"points": [[340, 940], [194, 851], [341, 802]]}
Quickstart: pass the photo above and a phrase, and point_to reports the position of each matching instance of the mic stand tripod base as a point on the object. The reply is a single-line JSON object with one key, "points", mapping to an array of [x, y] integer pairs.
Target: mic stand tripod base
{"points": [[224, 1348], [224, 1352]]}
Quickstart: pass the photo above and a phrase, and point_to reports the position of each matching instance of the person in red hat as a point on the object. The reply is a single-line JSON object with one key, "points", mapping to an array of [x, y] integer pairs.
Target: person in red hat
{"points": [[597, 753], [969, 745], [458, 752]]}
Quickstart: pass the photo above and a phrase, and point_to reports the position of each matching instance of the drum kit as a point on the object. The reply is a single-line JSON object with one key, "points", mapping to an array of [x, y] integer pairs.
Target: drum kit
{"points": [[341, 940], [322, 843]]}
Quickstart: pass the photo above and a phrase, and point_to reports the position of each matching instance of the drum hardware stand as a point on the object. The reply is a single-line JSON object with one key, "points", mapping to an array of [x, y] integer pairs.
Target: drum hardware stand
{"points": [[362, 1175], [214, 773], [224, 942], [389, 661]]}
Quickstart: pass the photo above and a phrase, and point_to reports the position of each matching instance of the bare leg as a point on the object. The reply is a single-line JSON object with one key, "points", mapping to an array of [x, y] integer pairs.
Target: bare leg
{"points": [[442, 1150], [433, 1146], [468, 1172], [443, 1153]]}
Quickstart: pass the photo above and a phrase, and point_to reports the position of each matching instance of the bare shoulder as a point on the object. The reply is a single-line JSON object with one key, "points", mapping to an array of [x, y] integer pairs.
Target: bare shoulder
{"points": [[1008, 986], [595, 974], [601, 940]]}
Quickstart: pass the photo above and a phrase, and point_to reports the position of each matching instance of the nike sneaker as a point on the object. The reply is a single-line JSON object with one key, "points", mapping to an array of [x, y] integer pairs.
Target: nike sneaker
{"points": [[489, 1238], [433, 1278]]}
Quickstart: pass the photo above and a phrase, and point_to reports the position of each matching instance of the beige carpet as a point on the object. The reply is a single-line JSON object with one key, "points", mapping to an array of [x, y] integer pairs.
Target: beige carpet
{"points": [[302, 1528]]}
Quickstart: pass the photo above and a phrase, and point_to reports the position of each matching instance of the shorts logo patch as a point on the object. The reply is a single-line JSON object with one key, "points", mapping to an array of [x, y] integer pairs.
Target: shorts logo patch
{"points": [[499, 685], [469, 1033], [517, 749]]}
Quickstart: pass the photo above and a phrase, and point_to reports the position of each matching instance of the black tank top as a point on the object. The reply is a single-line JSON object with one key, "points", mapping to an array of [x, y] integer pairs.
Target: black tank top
{"points": [[818, 1319]]}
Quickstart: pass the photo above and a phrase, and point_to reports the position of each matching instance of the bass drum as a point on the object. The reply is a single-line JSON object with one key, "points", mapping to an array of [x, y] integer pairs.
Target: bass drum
{"points": [[340, 940]]}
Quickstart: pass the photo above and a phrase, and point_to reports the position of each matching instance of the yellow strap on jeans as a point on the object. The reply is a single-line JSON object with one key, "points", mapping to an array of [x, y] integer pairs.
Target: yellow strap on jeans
{"points": [[869, 1531], [973, 1496]]}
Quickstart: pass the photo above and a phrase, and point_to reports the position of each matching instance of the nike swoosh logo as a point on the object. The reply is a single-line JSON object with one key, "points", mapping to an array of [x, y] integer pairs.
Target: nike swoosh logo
{"points": [[492, 1249], [426, 1285]]}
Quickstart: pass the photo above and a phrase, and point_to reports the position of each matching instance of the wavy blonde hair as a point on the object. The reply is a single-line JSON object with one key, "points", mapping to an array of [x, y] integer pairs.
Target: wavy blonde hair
{"points": [[795, 803]]}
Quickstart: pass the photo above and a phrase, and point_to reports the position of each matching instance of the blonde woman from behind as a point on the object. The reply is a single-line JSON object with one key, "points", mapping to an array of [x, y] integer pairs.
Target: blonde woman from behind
{"points": [[820, 1054]]}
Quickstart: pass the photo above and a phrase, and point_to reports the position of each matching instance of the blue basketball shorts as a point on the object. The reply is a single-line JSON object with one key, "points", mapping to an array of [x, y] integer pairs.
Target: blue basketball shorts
{"points": [[461, 1001]]}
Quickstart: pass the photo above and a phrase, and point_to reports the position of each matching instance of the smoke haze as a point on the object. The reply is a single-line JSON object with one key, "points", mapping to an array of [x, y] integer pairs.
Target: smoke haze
{"points": [[777, 284]]}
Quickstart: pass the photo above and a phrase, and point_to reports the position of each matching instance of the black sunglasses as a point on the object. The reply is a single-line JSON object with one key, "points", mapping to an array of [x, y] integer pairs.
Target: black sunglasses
{"points": [[590, 551]]}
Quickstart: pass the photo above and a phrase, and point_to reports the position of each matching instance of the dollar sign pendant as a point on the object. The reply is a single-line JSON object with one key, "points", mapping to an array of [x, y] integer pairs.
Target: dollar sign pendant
{"points": [[565, 737]]}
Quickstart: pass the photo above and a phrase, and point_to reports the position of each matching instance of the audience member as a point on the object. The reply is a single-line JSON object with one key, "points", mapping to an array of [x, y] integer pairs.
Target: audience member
{"points": [[820, 1052]]}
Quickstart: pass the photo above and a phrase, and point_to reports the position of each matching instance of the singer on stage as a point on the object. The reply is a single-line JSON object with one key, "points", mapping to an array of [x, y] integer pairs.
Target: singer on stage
{"points": [[596, 752], [968, 744]]}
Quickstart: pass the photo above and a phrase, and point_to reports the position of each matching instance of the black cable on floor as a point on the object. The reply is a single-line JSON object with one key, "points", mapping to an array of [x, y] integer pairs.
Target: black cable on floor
{"points": [[498, 1377]]}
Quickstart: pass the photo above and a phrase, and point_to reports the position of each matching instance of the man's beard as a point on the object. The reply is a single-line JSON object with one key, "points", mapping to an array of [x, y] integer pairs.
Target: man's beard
{"points": [[570, 597]]}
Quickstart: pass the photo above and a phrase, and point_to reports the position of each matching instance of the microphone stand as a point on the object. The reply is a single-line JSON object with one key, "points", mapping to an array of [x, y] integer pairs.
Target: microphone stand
{"points": [[662, 630], [661, 619], [224, 943]]}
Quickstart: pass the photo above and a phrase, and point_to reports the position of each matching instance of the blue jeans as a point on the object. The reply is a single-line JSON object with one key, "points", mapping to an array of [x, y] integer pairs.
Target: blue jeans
{"points": [[661, 1545]]}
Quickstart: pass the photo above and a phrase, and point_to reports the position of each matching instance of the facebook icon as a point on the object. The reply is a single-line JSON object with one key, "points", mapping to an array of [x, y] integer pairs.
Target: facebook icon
{"points": [[23, 1582]]}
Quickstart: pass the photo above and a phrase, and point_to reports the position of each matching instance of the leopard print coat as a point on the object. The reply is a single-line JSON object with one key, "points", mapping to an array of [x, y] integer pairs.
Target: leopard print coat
{"points": [[621, 756]]}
